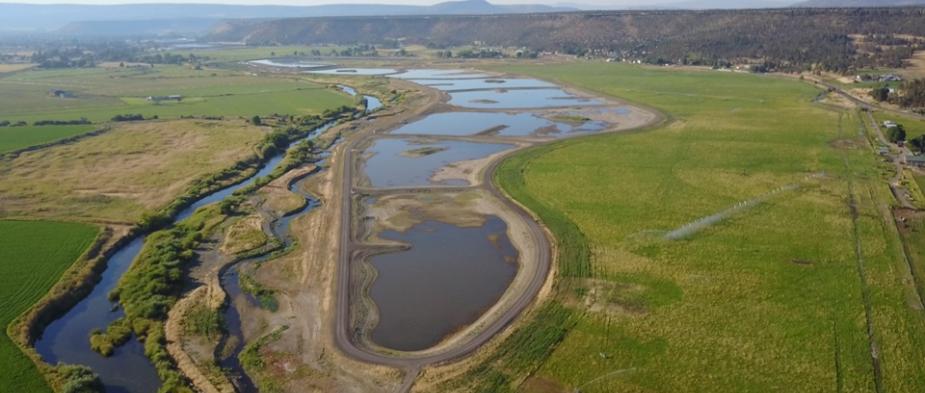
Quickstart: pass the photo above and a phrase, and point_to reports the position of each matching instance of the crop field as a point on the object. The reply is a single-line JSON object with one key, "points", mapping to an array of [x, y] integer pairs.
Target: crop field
{"points": [[776, 297], [15, 138], [33, 255], [101, 93], [5, 68], [136, 167]]}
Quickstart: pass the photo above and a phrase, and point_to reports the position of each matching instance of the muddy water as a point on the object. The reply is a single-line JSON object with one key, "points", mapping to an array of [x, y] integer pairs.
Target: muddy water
{"points": [[356, 71], [514, 124], [487, 83], [423, 73], [128, 370], [404, 163], [518, 99], [445, 281]]}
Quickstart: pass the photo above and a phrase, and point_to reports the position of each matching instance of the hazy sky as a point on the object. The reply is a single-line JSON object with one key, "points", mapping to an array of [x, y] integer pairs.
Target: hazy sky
{"points": [[609, 3]]}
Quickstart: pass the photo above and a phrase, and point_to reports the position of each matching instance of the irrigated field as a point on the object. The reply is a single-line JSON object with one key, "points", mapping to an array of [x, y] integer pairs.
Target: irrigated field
{"points": [[773, 291], [118, 175], [101, 93], [15, 138], [33, 255]]}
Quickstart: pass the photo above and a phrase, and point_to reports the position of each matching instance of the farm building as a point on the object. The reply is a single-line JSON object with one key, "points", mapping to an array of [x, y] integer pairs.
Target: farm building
{"points": [[60, 93], [917, 160]]}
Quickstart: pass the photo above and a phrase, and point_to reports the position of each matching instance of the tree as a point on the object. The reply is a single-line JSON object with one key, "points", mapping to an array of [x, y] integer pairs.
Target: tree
{"points": [[256, 120], [896, 134], [918, 144], [880, 94]]}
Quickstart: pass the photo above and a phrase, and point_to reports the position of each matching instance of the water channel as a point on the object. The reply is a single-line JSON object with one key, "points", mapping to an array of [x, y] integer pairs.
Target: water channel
{"points": [[128, 370]]}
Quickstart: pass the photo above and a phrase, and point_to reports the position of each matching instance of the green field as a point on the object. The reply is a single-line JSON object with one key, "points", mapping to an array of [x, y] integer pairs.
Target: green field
{"points": [[254, 53], [101, 93], [33, 255], [774, 298], [15, 138]]}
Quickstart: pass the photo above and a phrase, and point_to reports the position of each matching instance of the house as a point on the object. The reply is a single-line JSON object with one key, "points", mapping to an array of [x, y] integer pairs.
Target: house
{"points": [[890, 124], [917, 160], [890, 78]]}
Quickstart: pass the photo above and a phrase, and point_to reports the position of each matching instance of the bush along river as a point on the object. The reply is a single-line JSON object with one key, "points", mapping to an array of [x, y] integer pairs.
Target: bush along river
{"points": [[233, 343], [127, 369]]}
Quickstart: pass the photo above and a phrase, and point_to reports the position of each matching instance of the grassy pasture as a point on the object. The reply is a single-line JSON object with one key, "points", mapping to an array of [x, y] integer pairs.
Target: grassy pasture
{"points": [[33, 255], [770, 299], [118, 175], [101, 93], [15, 138]]}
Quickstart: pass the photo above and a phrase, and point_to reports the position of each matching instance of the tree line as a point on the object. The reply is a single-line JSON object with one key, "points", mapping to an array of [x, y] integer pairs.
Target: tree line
{"points": [[839, 40]]}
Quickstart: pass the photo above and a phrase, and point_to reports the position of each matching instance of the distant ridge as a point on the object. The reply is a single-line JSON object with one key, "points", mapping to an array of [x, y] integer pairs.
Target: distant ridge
{"points": [[859, 3], [41, 17]]}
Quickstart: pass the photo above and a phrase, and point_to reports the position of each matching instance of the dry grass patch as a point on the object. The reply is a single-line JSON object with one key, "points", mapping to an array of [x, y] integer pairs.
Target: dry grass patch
{"points": [[4, 68], [244, 235], [119, 175]]}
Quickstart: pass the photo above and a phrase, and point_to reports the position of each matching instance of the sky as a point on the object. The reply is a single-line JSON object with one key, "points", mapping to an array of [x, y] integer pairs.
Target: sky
{"points": [[607, 3]]}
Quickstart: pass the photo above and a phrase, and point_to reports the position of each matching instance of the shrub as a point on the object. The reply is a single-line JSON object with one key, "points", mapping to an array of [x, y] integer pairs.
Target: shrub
{"points": [[82, 120], [128, 117], [78, 379]]}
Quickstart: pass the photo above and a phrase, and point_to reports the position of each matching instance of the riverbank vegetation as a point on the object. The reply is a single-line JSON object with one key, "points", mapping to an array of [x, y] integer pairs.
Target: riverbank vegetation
{"points": [[773, 298], [255, 362], [154, 283], [33, 256]]}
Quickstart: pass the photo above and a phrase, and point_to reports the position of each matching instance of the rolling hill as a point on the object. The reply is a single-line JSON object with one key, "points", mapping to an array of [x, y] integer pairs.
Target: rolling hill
{"points": [[33, 17]]}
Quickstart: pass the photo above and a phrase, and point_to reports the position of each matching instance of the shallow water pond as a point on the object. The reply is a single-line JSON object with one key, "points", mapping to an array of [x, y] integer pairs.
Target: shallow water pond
{"points": [[288, 63], [496, 123], [488, 83], [439, 74], [518, 99], [405, 162], [449, 277], [356, 71]]}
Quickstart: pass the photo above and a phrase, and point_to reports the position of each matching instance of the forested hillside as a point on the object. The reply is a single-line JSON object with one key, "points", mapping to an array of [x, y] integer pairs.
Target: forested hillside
{"points": [[781, 39], [860, 3]]}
